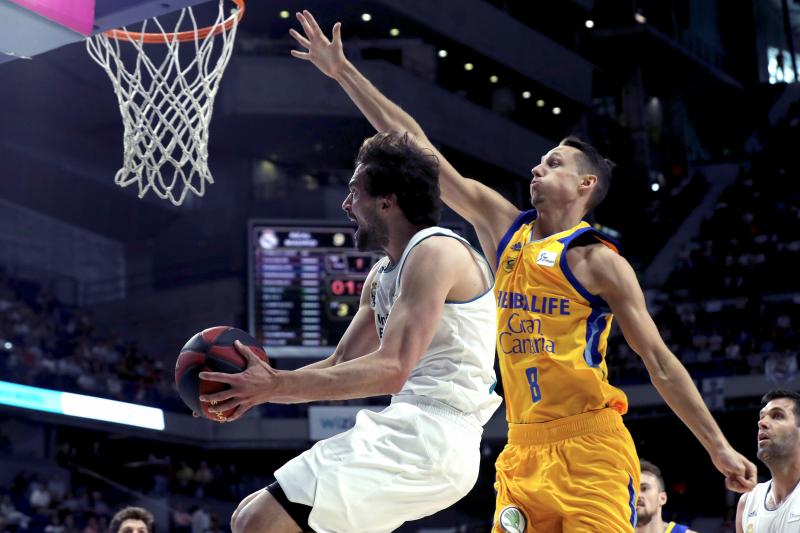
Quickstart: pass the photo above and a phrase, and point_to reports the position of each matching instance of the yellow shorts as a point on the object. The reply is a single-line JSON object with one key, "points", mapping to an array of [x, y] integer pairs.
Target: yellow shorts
{"points": [[575, 474]]}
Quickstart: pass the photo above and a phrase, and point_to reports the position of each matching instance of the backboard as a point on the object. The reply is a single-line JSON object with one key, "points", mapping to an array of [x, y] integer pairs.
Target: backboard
{"points": [[32, 27]]}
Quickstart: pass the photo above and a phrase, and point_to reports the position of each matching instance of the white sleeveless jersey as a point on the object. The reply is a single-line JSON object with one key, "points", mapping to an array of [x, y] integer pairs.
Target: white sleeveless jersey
{"points": [[758, 519], [457, 369]]}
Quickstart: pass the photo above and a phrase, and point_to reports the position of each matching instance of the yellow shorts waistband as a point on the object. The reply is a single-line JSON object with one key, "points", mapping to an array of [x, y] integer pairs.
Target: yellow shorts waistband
{"points": [[565, 428]]}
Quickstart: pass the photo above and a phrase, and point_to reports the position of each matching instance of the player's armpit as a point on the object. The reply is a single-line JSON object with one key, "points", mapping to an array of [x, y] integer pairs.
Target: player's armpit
{"points": [[480, 205], [489, 212], [360, 338]]}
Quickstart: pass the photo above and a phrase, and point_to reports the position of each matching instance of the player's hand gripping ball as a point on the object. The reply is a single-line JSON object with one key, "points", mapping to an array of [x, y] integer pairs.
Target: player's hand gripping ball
{"points": [[211, 350]]}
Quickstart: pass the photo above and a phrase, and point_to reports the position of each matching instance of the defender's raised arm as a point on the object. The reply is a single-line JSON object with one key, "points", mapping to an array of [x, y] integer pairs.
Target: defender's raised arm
{"points": [[488, 211]]}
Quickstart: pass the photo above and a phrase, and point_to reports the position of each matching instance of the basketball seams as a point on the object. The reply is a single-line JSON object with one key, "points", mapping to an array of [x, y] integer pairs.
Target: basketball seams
{"points": [[211, 350]]}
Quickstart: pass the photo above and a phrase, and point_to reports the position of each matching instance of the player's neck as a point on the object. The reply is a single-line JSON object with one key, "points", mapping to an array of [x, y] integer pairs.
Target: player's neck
{"points": [[656, 525], [784, 480], [551, 222], [398, 240]]}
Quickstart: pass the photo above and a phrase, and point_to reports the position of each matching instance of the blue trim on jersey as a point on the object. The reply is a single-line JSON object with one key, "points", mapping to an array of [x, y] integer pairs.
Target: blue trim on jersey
{"points": [[458, 302], [462, 241], [595, 324], [603, 237], [677, 528], [593, 299], [632, 501], [523, 218], [415, 245]]}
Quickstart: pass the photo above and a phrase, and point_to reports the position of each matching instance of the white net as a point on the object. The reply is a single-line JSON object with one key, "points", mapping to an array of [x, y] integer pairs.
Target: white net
{"points": [[166, 104]]}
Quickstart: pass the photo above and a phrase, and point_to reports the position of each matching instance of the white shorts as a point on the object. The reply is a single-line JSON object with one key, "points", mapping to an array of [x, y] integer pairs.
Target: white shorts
{"points": [[414, 458]]}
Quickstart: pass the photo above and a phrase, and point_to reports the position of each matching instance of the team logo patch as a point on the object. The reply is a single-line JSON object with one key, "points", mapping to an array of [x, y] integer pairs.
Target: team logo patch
{"points": [[517, 246], [508, 264], [546, 258], [373, 289], [512, 520]]}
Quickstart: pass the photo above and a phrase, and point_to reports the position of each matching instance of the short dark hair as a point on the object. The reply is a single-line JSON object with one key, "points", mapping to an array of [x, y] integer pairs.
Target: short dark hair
{"points": [[131, 513], [591, 162], [650, 468], [782, 393], [395, 164]]}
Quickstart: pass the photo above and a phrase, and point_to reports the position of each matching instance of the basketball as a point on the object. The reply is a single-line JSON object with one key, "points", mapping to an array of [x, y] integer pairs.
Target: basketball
{"points": [[211, 350]]}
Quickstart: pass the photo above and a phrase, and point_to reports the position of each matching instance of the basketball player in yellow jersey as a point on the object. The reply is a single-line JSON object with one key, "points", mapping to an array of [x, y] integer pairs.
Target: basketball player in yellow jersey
{"points": [[570, 463]]}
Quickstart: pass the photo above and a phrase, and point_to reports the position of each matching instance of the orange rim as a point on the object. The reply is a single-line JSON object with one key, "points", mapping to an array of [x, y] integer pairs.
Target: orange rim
{"points": [[192, 35]]}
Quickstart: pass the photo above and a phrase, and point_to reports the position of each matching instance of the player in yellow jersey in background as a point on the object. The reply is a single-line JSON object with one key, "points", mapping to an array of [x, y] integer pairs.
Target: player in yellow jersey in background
{"points": [[570, 464]]}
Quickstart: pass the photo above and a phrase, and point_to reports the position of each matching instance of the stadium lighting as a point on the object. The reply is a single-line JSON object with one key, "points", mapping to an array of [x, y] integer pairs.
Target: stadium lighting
{"points": [[442, 53], [655, 186], [589, 24], [284, 14], [641, 19], [526, 94], [540, 103], [394, 32], [80, 405], [366, 17], [556, 110], [493, 79], [469, 66]]}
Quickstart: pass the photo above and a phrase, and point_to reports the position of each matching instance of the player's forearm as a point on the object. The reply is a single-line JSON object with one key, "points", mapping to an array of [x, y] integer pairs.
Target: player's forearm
{"points": [[322, 363], [382, 113], [675, 385], [370, 375]]}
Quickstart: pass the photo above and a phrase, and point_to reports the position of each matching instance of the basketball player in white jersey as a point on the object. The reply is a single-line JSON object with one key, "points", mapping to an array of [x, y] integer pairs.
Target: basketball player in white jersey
{"points": [[774, 506], [424, 332]]}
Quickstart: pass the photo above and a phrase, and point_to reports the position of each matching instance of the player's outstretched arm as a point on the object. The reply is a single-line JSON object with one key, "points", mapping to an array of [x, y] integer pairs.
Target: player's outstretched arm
{"points": [[408, 333], [481, 206], [611, 277]]}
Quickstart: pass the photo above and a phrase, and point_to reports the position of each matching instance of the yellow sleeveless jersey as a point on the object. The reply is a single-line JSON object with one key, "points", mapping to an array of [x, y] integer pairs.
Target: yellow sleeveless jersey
{"points": [[551, 332]]}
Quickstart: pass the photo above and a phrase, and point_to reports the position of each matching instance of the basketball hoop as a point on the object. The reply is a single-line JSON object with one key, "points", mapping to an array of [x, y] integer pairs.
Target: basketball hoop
{"points": [[166, 105]]}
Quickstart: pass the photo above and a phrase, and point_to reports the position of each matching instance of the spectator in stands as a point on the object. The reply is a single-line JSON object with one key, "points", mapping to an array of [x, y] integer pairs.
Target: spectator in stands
{"points": [[40, 498], [10, 516], [201, 520]]}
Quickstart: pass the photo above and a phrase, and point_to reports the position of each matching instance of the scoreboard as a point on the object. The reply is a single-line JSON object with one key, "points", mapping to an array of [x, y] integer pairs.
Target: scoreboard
{"points": [[305, 285]]}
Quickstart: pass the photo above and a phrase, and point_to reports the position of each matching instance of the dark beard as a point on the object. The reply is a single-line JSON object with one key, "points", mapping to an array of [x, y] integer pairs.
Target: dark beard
{"points": [[374, 239], [776, 453]]}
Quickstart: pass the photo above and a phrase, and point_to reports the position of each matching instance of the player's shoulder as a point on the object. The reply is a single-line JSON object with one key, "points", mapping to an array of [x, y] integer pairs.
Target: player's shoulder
{"points": [[595, 258], [598, 267], [439, 252], [441, 245], [595, 251]]}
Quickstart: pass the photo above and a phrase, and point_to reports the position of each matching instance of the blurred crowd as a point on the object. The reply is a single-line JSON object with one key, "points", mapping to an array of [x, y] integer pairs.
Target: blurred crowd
{"points": [[730, 306], [45, 343]]}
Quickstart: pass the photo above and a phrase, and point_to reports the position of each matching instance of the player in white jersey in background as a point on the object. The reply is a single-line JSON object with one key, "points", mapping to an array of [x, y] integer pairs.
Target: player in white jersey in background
{"points": [[424, 332], [774, 506]]}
